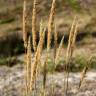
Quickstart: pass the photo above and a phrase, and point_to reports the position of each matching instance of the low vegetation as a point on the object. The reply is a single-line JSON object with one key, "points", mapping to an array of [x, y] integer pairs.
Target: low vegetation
{"points": [[33, 69], [48, 38]]}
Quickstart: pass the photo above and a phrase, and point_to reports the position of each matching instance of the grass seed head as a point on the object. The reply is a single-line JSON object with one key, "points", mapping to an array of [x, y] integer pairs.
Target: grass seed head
{"points": [[50, 24], [34, 26], [24, 24]]}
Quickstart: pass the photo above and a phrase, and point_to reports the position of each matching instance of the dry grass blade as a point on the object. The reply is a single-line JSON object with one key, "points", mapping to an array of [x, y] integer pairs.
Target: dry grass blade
{"points": [[55, 41], [33, 70], [55, 51], [40, 46], [55, 63], [50, 27], [24, 25], [84, 72], [37, 60], [70, 40], [34, 26], [25, 45], [42, 34], [50, 24], [82, 76], [28, 68], [41, 41], [59, 50], [71, 43], [74, 39]]}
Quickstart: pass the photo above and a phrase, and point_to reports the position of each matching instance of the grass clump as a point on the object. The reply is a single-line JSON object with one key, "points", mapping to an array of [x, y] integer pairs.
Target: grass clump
{"points": [[9, 61], [33, 68], [79, 62], [3, 61]]}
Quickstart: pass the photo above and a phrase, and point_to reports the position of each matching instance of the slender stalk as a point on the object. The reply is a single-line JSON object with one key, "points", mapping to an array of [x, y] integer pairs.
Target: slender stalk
{"points": [[84, 72], [82, 76], [34, 26], [58, 51], [55, 51], [37, 60], [50, 24], [56, 57], [25, 43], [72, 38], [41, 41], [28, 69], [49, 36], [24, 25]]}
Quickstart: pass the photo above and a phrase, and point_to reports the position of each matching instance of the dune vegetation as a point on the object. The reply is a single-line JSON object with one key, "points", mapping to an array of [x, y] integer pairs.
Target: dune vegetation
{"points": [[44, 42]]}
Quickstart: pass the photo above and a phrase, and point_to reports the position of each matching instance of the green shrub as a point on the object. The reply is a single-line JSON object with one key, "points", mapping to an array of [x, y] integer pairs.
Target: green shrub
{"points": [[73, 4]]}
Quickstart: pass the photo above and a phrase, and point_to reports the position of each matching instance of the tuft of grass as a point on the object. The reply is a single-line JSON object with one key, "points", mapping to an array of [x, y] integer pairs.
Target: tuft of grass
{"points": [[84, 71], [80, 61], [9, 61], [77, 64]]}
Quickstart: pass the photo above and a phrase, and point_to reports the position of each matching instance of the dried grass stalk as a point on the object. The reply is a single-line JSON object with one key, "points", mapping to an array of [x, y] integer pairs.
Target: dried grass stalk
{"points": [[34, 26], [58, 51], [42, 39], [25, 45], [84, 72], [71, 43], [28, 66], [24, 25], [42, 34], [74, 38], [50, 24], [37, 60], [49, 36], [56, 57], [82, 76]]}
